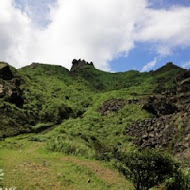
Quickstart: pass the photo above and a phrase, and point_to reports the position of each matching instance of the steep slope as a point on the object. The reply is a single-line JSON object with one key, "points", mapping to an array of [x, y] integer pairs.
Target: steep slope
{"points": [[13, 117], [47, 94]]}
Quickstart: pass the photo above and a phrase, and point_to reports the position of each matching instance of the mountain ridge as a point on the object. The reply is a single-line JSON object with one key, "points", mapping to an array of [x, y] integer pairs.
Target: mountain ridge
{"points": [[50, 95]]}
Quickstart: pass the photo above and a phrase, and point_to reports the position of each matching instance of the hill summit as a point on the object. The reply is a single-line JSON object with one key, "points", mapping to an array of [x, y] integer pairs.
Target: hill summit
{"points": [[80, 64]]}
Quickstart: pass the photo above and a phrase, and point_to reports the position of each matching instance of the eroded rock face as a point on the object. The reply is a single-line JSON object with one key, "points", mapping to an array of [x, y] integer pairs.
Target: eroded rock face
{"points": [[169, 131], [10, 86], [78, 64], [171, 126], [34, 65], [114, 105], [5, 72], [159, 105], [153, 132], [170, 122], [15, 96]]}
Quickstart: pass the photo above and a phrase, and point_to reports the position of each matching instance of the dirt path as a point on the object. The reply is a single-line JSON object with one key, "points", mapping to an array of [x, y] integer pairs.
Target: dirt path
{"points": [[106, 174]]}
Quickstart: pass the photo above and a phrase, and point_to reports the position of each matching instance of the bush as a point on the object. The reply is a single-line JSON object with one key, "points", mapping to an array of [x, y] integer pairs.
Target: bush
{"points": [[145, 169], [102, 151], [180, 181]]}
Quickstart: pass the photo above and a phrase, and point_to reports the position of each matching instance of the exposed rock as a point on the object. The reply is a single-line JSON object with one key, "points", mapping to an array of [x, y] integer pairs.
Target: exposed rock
{"points": [[159, 105], [5, 72], [114, 105], [34, 65], [10, 86], [15, 96], [171, 127], [155, 132], [78, 64]]}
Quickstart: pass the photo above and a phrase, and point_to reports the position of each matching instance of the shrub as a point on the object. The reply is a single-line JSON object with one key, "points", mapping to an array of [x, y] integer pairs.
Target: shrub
{"points": [[145, 169], [180, 181], [102, 151]]}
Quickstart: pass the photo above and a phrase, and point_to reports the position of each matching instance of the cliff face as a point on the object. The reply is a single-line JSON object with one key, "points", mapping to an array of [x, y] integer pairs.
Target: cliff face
{"points": [[13, 120], [10, 86], [5, 72]]}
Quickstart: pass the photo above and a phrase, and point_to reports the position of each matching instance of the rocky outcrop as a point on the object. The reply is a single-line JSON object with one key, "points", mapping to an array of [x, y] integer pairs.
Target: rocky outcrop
{"points": [[158, 105], [169, 131], [79, 64], [114, 105], [170, 126], [10, 86], [153, 132], [5, 72], [34, 65]]}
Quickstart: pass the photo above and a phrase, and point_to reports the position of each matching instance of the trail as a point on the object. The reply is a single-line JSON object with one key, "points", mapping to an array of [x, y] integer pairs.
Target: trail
{"points": [[108, 175]]}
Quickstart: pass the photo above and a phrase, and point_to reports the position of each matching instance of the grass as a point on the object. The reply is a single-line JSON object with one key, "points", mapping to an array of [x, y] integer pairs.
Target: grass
{"points": [[28, 165], [61, 108], [52, 94]]}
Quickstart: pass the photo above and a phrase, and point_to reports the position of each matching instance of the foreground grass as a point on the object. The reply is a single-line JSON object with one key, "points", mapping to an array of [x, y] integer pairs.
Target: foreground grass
{"points": [[29, 166]]}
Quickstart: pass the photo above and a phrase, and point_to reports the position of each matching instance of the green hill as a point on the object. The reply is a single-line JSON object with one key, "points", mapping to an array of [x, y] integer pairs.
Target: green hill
{"points": [[89, 114]]}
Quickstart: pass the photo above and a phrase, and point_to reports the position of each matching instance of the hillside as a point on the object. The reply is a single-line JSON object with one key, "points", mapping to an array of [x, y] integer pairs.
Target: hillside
{"points": [[87, 113]]}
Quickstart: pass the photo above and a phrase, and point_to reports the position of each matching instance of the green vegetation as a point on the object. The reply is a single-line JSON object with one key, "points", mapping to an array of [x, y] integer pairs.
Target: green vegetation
{"points": [[146, 169], [28, 165], [70, 144]]}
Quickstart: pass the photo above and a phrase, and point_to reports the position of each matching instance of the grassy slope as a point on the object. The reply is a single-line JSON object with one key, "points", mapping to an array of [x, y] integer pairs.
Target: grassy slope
{"points": [[28, 165], [46, 89]]}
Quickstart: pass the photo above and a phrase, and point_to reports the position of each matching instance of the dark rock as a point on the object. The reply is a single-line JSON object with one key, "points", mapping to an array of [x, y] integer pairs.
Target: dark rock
{"points": [[159, 105], [34, 65], [10, 86], [151, 133], [113, 105], [80, 64], [5, 72]]}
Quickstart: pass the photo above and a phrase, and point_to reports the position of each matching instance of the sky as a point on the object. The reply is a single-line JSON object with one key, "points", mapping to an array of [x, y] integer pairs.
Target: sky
{"points": [[116, 35]]}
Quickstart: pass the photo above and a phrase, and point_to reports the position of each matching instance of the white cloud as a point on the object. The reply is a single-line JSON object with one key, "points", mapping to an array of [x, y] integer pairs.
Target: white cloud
{"points": [[149, 65], [186, 65], [164, 50], [167, 28], [93, 30]]}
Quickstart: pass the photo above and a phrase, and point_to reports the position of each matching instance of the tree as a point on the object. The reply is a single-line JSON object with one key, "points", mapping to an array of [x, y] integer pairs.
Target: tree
{"points": [[146, 168]]}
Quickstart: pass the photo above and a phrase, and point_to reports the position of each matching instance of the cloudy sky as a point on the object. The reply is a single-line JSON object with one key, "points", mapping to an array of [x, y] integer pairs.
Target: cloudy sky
{"points": [[117, 35]]}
